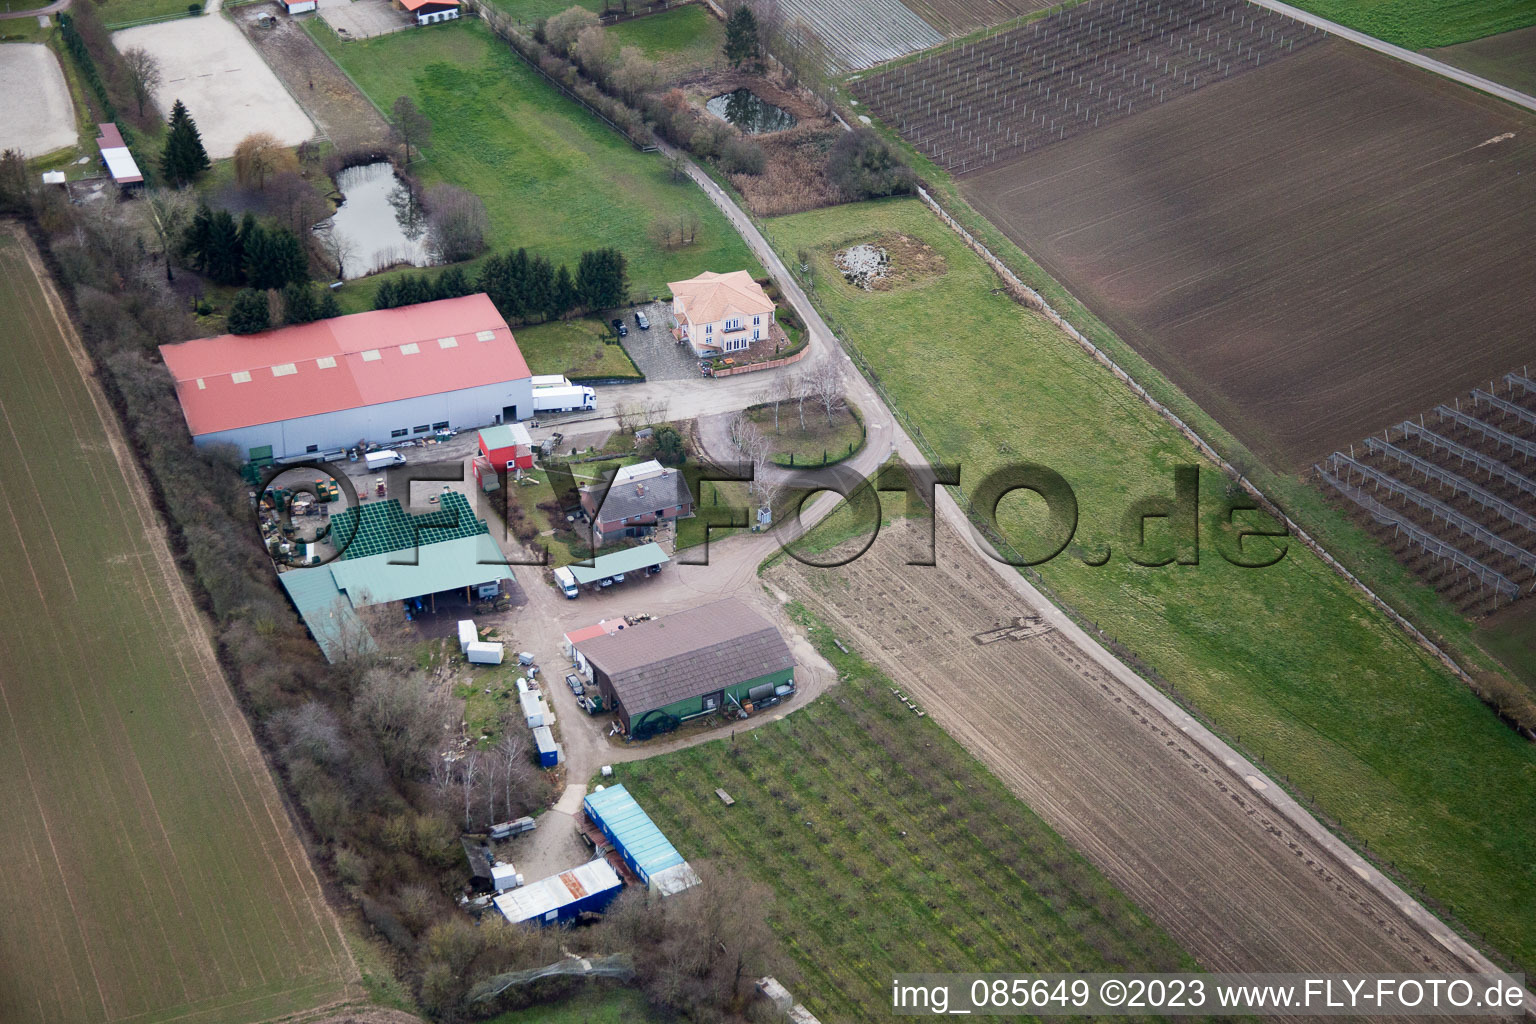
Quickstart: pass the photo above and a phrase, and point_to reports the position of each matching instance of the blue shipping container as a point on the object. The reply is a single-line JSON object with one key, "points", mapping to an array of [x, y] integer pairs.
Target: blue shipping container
{"points": [[642, 845]]}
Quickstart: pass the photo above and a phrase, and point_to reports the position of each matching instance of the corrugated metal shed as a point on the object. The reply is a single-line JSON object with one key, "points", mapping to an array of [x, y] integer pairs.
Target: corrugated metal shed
{"points": [[589, 887], [327, 612], [447, 565], [644, 848], [629, 560]]}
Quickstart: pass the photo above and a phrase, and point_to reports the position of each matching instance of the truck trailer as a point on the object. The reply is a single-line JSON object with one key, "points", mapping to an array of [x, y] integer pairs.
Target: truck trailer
{"points": [[564, 399]]}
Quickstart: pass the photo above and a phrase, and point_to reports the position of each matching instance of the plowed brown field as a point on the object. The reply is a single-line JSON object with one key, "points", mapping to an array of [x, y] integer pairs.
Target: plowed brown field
{"points": [[1312, 250]]}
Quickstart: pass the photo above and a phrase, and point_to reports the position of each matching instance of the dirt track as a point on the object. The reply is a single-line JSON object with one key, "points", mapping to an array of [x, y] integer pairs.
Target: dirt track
{"points": [[1172, 826]]}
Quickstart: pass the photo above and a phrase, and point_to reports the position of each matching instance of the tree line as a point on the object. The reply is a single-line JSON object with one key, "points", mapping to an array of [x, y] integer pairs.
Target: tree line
{"points": [[524, 288]]}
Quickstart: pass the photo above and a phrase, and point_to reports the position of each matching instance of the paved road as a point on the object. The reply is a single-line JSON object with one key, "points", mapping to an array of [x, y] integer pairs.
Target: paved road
{"points": [[53, 8], [1418, 60]]}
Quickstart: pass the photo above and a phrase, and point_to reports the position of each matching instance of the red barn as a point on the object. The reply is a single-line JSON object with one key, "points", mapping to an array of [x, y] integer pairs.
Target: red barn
{"points": [[507, 446]]}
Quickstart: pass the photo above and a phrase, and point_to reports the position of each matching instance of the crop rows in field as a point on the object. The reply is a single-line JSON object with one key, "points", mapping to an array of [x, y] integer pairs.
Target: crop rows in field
{"points": [[977, 103], [1453, 493], [957, 17], [862, 33]]}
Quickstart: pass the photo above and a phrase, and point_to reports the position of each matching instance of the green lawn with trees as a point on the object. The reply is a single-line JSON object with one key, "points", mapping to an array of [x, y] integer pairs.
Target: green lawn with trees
{"points": [[1289, 661], [552, 177], [582, 349]]}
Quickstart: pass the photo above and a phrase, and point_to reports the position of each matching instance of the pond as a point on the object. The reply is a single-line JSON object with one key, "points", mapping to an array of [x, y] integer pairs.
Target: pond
{"points": [[378, 226], [750, 112]]}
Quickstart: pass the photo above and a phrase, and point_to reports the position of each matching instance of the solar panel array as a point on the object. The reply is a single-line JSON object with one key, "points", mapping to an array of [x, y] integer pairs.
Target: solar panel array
{"points": [[383, 526]]}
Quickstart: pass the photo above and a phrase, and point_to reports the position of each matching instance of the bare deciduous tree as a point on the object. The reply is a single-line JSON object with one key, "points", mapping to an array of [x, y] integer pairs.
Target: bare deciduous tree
{"points": [[801, 391], [826, 382], [414, 127], [143, 71], [406, 715], [169, 213], [471, 768], [655, 410], [629, 416], [562, 30], [259, 157], [456, 223], [338, 247]]}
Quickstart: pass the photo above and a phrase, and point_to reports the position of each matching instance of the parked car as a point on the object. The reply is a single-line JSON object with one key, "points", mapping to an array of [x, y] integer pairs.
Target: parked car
{"points": [[575, 685], [640, 319], [619, 328]]}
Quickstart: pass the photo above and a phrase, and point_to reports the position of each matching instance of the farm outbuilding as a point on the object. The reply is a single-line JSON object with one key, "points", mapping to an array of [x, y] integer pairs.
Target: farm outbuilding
{"points": [[385, 376], [427, 12], [507, 446], [585, 889], [658, 673], [649, 853], [116, 157], [636, 499], [394, 557]]}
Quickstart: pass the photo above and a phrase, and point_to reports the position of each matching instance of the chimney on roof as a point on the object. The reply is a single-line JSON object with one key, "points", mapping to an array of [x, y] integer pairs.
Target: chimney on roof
{"points": [[639, 489]]}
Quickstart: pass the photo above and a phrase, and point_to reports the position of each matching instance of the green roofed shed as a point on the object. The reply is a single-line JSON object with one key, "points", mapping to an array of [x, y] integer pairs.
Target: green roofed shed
{"points": [[629, 560]]}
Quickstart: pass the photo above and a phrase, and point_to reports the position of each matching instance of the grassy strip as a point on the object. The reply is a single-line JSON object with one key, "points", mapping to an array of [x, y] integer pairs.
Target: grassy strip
{"points": [[580, 349], [889, 846], [1290, 660], [680, 40], [552, 177], [1418, 24]]}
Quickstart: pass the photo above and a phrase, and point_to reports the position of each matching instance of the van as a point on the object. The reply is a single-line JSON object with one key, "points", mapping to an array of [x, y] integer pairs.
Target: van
{"points": [[566, 581], [379, 460]]}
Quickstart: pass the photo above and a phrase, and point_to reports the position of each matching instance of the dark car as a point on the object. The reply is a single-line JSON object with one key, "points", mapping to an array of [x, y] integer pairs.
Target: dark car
{"points": [[640, 319], [618, 327]]}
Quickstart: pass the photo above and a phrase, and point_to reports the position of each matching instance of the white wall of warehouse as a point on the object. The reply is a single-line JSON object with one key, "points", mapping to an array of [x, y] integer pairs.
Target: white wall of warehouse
{"points": [[466, 408]]}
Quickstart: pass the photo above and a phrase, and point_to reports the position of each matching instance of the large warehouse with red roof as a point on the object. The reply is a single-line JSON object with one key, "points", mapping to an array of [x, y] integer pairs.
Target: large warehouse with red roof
{"points": [[383, 376]]}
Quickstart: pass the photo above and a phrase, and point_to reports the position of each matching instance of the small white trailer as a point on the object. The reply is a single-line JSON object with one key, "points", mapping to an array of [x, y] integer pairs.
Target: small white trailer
{"points": [[481, 652], [467, 635]]}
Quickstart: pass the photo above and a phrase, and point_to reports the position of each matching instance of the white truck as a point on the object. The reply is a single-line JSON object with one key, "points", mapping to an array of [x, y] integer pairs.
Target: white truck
{"points": [[563, 399], [566, 581], [378, 460]]}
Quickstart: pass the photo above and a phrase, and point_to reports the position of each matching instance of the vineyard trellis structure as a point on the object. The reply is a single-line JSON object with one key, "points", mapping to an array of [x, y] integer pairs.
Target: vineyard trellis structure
{"points": [[1486, 576], [1459, 484], [974, 103], [1438, 511], [1456, 489]]}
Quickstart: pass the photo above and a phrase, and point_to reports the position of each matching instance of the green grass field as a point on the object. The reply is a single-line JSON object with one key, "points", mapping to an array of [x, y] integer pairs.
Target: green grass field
{"points": [[577, 348], [124, 12], [595, 1005], [679, 40], [888, 846], [530, 11], [1287, 660], [1417, 24], [151, 873], [553, 178]]}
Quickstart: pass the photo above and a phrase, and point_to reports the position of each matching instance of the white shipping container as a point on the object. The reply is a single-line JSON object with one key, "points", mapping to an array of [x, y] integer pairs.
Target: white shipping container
{"points": [[482, 653], [467, 635]]}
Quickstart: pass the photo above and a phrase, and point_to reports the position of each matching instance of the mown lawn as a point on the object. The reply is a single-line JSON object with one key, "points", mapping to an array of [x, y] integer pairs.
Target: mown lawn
{"points": [[530, 11], [1288, 660], [553, 178], [888, 847], [679, 40], [122, 12], [580, 349], [1417, 24]]}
